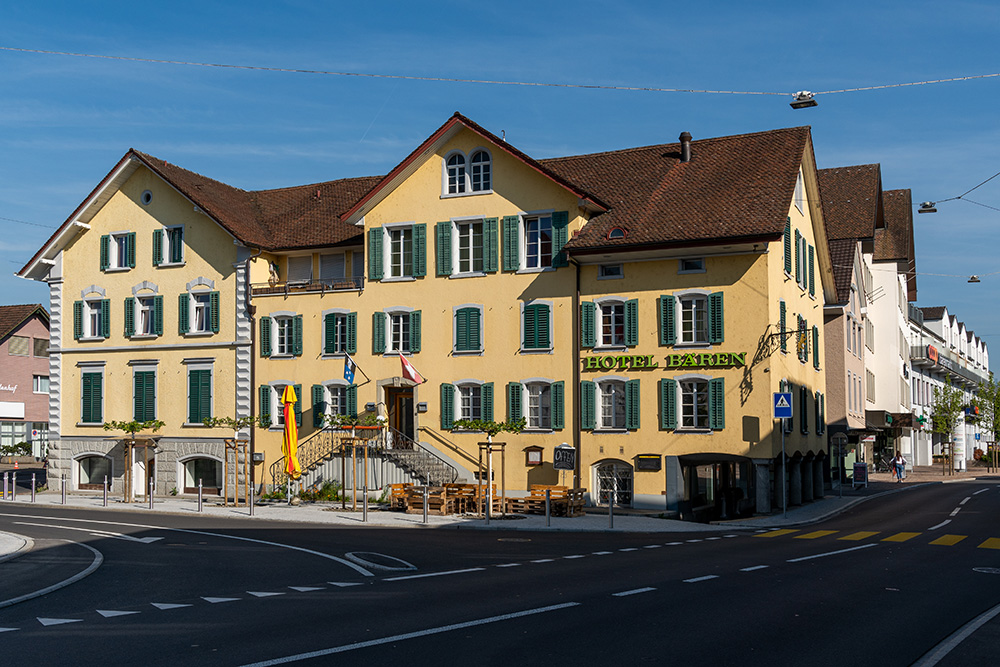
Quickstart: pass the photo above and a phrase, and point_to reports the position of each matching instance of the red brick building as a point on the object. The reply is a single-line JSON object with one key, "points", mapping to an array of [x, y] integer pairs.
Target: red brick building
{"points": [[24, 376]]}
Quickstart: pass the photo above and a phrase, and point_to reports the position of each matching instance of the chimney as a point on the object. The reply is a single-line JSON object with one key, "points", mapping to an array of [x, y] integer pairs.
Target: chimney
{"points": [[685, 146]]}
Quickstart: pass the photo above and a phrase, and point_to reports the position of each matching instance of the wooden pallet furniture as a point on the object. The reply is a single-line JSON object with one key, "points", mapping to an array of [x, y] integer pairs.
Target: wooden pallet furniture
{"points": [[438, 501], [397, 496], [563, 500]]}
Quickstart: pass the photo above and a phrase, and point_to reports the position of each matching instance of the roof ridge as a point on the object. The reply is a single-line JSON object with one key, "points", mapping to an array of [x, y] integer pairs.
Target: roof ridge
{"points": [[164, 163], [318, 183]]}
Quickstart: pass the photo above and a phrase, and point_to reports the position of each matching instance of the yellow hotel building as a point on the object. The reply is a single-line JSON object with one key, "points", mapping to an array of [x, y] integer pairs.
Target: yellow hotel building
{"points": [[639, 307]]}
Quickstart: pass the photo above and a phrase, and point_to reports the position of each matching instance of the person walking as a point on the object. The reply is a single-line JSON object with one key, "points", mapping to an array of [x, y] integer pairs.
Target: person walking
{"points": [[899, 466]]}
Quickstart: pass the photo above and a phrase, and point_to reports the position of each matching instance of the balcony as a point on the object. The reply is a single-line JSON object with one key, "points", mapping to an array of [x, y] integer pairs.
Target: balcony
{"points": [[349, 284], [915, 314], [945, 362]]}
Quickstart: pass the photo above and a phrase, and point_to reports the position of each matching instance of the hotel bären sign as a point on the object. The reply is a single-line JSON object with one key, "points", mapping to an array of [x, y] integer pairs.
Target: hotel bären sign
{"points": [[644, 362]]}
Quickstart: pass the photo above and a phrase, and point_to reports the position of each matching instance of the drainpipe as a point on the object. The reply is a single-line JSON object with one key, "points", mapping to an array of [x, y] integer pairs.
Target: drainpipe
{"points": [[251, 310], [575, 317]]}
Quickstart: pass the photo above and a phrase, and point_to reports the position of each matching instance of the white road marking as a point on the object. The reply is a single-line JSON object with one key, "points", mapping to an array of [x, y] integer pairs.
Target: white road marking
{"points": [[697, 579], [218, 600], [967, 499], [509, 565], [263, 594], [633, 592], [344, 584], [955, 511], [342, 561], [95, 533], [435, 574], [602, 553], [709, 539], [831, 553], [543, 560], [410, 635], [652, 546], [980, 491], [167, 605], [755, 567], [729, 536], [9, 629], [359, 558], [111, 613], [57, 621], [574, 556], [673, 544], [945, 647], [96, 563], [940, 525], [629, 549], [692, 541], [306, 589]]}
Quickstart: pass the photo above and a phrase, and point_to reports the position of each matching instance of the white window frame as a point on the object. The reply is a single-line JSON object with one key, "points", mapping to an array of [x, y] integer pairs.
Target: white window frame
{"points": [[167, 247], [277, 413], [118, 251], [456, 246], [37, 382], [457, 180], [804, 262], [403, 314], [610, 387], [93, 308], [468, 390], [523, 224], [199, 301], [403, 228], [471, 169], [284, 335], [679, 299], [691, 269], [340, 341], [682, 382], [330, 387], [543, 421], [145, 304], [611, 302], [611, 271]]}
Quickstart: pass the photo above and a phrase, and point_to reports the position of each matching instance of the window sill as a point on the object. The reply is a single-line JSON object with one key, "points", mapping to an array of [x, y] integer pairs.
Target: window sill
{"points": [[467, 353], [453, 195], [332, 355], [197, 334], [537, 351], [610, 277], [91, 339], [703, 431], [537, 430], [467, 274], [117, 269], [82, 424], [610, 348], [194, 425], [610, 430], [393, 353], [397, 279], [694, 346], [169, 265], [143, 336], [540, 269]]}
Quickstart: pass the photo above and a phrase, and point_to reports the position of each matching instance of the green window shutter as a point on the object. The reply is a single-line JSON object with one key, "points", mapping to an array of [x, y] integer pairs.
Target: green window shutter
{"points": [[821, 422], [811, 275], [176, 244], [352, 401], [352, 333], [265, 336], [804, 328], [486, 400], [378, 332], [798, 258], [804, 409], [158, 246], [447, 407], [298, 405], [817, 402], [375, 267], [415, 331], [536, 327], [106, 318], [511, 247], [588, 405], [513, 401], [213, 309], [781, 326], [588, 331], [816, 347], [717, 404], [560, 235], [264, 398], [716, 321], [329, 333], [93, 392], [129, 316], [462, 330], [297, 338], [318, 405], [668, 405], [442, 247], [184, 311], [419, 250], [105, 252], [199, 396], [558, 401], [788, 246], [130, 249], [77, 320], [144, 385], [668, 328], [632, 322], [490, 245], [138, 397], [632, 403], [158, 315]]}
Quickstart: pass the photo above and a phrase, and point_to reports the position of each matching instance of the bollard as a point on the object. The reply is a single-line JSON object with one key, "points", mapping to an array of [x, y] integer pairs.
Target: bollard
{"points": [[611, 509], [32, 487], [64, 489], [13, 486], [548, 508], [5, 475], [152, 485], [199, 495], [364, 509], [252, 499], [425, 504], [105, 490]]}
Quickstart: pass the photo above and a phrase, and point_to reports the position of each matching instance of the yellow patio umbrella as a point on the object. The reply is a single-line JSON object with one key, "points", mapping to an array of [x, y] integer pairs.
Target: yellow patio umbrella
{"points": [[290, 442]]}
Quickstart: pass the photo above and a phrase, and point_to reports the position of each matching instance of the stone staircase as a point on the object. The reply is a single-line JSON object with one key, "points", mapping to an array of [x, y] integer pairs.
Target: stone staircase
{"points": [[422, 465]]}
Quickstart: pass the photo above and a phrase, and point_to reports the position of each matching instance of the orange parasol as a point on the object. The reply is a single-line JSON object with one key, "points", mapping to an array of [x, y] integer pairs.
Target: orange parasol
{"points": [[290, 442]]}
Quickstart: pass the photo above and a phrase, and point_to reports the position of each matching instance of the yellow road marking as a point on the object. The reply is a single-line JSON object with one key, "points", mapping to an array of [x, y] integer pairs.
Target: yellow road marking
{"points": [[777, 533], [992, 543], [900, 537], [949, 540], [861, 535], [815, 534]]}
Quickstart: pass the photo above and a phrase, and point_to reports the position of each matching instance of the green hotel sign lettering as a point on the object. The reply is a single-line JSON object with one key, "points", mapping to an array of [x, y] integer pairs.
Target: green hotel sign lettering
{"points": [[637, 362]]}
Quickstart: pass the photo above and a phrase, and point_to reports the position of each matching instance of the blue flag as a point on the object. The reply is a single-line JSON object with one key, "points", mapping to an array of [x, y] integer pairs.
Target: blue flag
{"points": [[349, 367]]}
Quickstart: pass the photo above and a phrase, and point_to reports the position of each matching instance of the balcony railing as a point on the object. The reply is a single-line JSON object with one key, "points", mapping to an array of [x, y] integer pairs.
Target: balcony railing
{"points": [[916, 315], [348, 284]]}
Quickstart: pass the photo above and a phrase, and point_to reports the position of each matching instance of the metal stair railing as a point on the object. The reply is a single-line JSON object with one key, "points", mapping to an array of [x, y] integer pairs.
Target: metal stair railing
{"points": [[318, 447], [423, 466]]}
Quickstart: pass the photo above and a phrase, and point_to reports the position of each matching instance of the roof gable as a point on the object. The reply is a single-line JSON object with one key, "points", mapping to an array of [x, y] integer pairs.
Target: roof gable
{"points": [[14, 317], [852, 200]]}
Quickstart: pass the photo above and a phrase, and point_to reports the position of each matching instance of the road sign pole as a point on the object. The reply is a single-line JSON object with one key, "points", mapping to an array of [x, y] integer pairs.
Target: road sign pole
{"points": [[784, 472]]}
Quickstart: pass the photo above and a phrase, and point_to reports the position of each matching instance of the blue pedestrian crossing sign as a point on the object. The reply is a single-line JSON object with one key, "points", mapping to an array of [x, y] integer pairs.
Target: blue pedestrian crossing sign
{"points": [[782, 405]]}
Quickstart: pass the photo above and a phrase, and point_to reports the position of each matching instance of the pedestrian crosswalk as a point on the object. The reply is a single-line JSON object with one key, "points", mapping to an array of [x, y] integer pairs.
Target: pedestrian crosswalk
{"points": [[878, 536]]}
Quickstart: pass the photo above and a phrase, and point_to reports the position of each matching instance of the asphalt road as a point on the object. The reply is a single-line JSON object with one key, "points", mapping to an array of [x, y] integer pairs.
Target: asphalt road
{"points": [[884, 583]]}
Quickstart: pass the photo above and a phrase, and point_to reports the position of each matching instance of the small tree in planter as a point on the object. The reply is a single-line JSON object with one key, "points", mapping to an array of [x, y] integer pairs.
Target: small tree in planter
{"points": [[131, 428], [237, 425], [947, 405], [490, 428]]}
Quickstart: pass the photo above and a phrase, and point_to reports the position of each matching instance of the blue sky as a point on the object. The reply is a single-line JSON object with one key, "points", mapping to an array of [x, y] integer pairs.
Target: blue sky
{"points": [[65, 121]]}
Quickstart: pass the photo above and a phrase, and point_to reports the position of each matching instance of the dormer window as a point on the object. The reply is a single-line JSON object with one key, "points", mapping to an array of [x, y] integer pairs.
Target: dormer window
{"points": [[472, 175], [616, 233]]}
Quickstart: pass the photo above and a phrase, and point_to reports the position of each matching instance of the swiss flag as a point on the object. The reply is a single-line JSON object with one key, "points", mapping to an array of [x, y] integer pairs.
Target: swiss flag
{"points": [[409, 372]]}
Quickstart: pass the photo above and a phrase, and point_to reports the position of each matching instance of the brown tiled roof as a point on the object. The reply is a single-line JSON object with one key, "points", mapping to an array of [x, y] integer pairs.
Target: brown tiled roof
{"points": [[852, 200], [842, 256], [12, 317], [933, 312], [733, 188], [895, 242], [287, 218]]}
